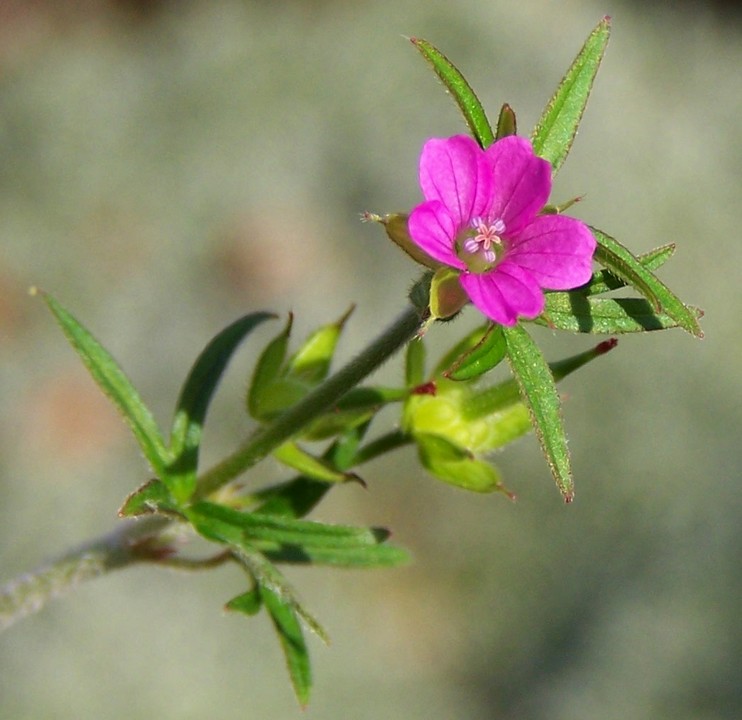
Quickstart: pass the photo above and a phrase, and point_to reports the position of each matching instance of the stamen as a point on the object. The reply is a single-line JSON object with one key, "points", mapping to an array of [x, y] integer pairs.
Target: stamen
{"points": [[486, 240]]}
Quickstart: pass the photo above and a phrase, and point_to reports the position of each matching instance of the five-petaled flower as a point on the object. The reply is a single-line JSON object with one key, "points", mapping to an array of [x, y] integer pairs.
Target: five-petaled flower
{"points": [[481, 217]]}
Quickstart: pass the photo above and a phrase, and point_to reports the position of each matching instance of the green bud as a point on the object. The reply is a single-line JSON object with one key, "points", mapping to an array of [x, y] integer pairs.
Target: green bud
{"points": [[447, 297]]}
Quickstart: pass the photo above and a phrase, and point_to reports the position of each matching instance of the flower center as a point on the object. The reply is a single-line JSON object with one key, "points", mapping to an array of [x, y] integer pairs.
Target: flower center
{"points": [[481, 245]]}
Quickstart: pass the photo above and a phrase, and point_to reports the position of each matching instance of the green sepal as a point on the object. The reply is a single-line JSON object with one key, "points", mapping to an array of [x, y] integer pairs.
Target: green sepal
{"points": [[506, 122], [149, 498], [539, 393], [291, 455], [248, 603], [552, 138], [447, 297], [311, 362], [469, 341], [395, 225], [483, 357], [460, 90], [619, 260], [608, 316], [456, 465], [262, 400], [296, 498], [112, 380], [195, 397]]}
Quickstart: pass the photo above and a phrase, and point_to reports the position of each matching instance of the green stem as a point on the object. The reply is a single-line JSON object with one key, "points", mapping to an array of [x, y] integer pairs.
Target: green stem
{"points": [[317, 402], [382, 445], [127, 544]]}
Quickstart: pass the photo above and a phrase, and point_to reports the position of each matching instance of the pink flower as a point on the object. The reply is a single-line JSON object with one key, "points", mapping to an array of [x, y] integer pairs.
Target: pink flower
{"points": [[481, 216]]}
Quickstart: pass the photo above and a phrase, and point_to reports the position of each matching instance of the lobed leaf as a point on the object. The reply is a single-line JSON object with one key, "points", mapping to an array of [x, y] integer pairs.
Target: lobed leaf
{"points": [[461, 91], [553, 136], [539, 393]]}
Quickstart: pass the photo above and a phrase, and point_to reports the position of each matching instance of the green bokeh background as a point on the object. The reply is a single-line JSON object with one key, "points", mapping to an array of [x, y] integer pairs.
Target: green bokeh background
{"points": [[163, 171]]}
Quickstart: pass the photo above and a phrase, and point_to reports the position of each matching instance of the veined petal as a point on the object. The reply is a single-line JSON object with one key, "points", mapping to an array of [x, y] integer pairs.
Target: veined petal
{"points": [[521, 182], [556, 250], [505, 293], [432, 228], [458, 173]]}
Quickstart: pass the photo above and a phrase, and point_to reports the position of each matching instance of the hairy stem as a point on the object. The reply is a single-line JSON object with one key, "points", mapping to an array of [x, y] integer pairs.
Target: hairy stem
{"points": [[317, 402], [132, 541], [29, 592]]}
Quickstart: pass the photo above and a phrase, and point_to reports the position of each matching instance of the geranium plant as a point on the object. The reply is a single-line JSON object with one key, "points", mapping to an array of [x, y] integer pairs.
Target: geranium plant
{"points": [[486, 236]]}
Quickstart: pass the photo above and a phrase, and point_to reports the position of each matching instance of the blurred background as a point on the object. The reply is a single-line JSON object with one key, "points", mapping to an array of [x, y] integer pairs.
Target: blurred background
{"points": [[168, 166]]}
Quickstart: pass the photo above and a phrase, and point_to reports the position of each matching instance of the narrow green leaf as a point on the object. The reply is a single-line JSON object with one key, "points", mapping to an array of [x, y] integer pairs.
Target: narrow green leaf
{"points": [[291, 455], [504, 395], [482, 358], [604, 280], [538, 390], [194, 400], [294, 498], [281, 530], [461, 91], [555, 131], [619, 260], [114, 383], [608, 316], [268, 576], [311, 362], [360, 558], [292, 642]]}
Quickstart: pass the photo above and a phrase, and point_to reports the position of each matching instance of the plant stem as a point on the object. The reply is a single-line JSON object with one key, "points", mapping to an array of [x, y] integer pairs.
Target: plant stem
{"points": [[317, 402], [29, 593]]}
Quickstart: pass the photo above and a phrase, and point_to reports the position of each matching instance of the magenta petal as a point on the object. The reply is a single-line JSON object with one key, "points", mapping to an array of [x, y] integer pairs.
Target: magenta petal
{"points": [[432, 228], [521, 182], [458, 173], [556, 250], [505, 293]]}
